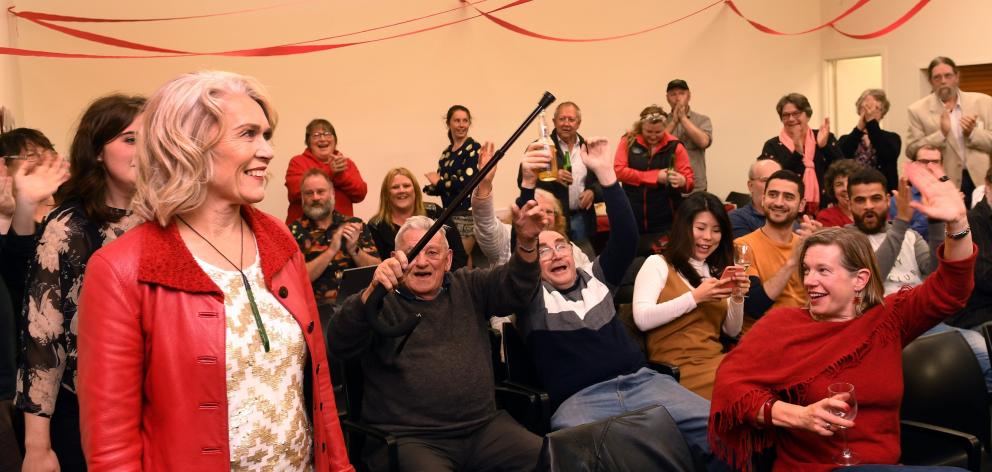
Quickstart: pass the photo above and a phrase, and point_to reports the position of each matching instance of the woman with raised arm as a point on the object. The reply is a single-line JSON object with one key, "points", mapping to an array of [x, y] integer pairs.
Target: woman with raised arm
{"points": [[772, 389], [199, 342]]}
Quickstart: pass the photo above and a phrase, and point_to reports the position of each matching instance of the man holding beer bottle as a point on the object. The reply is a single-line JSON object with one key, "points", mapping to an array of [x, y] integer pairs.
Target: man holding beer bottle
{"points": [[575, 186]]}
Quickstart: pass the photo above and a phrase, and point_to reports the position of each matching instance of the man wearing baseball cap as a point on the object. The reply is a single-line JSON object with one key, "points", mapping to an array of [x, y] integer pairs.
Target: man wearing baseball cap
{"points": [[694, 129]]}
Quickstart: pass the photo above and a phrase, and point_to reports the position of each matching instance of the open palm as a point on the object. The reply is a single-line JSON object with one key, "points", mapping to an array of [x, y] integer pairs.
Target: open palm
{"points": [[941, 199]]}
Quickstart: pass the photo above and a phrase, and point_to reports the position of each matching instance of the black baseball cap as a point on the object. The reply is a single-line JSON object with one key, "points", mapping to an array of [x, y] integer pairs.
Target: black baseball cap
{"points": [[677, 84]]}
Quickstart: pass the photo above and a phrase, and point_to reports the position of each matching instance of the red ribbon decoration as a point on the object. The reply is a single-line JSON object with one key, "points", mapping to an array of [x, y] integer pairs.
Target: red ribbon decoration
{"points": [[280, 50], [525, 32], [303, 47], [832, 23]]}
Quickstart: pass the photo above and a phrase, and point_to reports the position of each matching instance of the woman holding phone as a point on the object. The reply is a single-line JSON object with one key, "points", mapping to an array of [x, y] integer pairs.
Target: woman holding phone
{"points": [[679, 302]]}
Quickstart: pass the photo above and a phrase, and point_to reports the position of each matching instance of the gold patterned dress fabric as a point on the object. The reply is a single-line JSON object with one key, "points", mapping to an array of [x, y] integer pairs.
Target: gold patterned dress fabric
{"points": [[268, 426]]}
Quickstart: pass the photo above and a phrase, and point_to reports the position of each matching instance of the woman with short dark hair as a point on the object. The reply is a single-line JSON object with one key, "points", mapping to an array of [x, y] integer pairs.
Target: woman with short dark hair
{"points": [[322, 153], [805, 151]]}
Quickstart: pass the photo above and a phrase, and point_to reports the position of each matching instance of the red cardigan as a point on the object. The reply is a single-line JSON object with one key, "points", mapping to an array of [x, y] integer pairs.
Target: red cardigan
{"points": [[349, 188], [152, 384], [794, 358]]}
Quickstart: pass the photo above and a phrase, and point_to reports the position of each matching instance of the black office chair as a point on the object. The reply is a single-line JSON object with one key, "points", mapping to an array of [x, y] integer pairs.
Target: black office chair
{"points": [[738, 198], [945, 414], [619, 444]]}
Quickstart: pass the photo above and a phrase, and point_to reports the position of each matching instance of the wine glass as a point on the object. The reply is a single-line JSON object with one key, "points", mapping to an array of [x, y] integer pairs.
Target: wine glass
{"points": [[844, 391], [744, 257]]}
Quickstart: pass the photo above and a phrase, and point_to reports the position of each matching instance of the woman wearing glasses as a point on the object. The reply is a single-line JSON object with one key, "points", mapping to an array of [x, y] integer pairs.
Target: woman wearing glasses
{"points": [[93, 210], [199, 345], [805, 151], [322, 152]]}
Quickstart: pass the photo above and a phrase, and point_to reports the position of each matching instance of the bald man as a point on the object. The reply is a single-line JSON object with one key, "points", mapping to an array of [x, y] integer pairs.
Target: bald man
{"points": [[750, 217]]}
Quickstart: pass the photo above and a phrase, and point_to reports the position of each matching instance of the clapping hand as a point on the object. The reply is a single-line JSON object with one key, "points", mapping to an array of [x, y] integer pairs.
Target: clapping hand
{"points": [[36, 184], [339, 163], [350, 233], [486, 155], [823, 134], [599, 159], [968, 124]]}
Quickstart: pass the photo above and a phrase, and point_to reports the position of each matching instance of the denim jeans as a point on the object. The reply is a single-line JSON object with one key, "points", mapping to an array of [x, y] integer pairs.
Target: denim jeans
{"points": [[635, 391], [977, 343]]}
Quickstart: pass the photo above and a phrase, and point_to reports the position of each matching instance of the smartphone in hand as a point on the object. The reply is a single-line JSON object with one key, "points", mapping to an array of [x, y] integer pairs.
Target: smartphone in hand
{"points": [[730, 271]]}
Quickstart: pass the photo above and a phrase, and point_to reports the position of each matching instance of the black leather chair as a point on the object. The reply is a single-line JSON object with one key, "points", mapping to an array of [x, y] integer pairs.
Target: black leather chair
{"points": [[738, 198], [619, 444], [945, 413]]}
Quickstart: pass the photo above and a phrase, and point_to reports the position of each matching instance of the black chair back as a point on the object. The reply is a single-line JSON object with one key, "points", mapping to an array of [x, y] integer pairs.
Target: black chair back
{"points": [[519, 365], [944, 385], [646, 439]]}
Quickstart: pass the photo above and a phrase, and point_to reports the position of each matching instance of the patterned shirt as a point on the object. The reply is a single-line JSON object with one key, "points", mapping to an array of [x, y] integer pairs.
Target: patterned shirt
{"points": [[313, 241], [268, 428], [55, 275], [456, 168]]}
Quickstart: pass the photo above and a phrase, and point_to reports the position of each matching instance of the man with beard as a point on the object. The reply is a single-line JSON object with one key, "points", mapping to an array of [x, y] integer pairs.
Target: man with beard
{"points": [[330, 241], [904, 258], [957, 122], [774, 277]]}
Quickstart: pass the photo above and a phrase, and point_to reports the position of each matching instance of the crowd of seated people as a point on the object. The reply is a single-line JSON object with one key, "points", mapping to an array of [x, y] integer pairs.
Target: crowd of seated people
{"points": [[152, 318]]}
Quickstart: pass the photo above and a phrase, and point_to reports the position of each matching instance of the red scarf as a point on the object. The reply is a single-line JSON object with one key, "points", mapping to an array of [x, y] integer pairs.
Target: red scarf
{"points": [[754, 371]]}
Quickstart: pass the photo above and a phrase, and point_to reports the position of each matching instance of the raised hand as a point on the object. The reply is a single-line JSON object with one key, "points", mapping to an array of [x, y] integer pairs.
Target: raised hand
{"points": [[349, 234], [36, 184], [945, 122], [599, 160], [904, 196], [941, 199], [536, 159], [486, 155], [823, 134], [529, 221]]}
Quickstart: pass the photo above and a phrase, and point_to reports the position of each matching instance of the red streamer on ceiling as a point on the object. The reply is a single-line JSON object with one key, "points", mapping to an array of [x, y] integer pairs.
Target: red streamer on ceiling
{"points": [[47, 20]]}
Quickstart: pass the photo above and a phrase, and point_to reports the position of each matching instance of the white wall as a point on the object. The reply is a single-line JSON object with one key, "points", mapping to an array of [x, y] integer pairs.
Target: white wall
{"points": [[10, 80], [387, 99]]}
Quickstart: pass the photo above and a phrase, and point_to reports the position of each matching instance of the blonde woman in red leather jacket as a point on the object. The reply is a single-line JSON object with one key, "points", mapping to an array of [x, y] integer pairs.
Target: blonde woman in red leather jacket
{"points": [[199, 342]]}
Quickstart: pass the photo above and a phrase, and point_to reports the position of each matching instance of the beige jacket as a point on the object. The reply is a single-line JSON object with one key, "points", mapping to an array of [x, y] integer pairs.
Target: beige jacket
{"points": [[924, 128]]}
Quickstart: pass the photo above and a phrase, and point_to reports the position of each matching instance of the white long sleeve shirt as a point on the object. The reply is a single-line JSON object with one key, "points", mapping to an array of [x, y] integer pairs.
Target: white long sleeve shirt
{"points": [[651, 280]]}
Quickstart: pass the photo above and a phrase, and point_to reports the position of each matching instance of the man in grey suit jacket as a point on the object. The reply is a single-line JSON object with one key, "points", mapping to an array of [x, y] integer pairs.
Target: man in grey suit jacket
{"points": [[957, 122]]}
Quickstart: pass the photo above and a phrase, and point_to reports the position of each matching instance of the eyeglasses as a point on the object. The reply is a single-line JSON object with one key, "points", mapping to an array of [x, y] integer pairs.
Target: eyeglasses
{"points": [[794, 114], [928, 161], [31, 155], [546, 253], [321, 134]]}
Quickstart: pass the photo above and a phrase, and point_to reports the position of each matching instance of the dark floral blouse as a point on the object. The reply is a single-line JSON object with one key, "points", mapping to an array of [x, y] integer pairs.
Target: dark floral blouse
{"points": [[456, 169], [313, 241], [48, 338]]}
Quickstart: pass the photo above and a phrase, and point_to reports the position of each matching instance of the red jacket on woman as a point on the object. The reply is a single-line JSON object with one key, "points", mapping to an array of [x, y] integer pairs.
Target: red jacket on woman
{"points": [[349, 188], [152, 383]]}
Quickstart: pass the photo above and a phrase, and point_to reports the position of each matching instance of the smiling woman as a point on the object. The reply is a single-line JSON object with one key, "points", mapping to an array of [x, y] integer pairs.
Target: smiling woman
{"points": [[848, 333], [399, 199], [203, 275]]}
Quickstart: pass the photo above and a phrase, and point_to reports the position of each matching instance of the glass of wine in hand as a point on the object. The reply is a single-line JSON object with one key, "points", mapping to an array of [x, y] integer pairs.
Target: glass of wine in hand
{"points": [[844, 392], [744, 257]]}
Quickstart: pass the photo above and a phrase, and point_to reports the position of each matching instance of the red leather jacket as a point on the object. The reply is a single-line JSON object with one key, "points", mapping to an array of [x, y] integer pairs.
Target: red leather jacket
{"points": [[152, 384]]}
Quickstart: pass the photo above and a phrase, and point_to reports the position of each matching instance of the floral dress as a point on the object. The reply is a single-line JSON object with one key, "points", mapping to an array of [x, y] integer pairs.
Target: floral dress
{"points": [[48, 340]]}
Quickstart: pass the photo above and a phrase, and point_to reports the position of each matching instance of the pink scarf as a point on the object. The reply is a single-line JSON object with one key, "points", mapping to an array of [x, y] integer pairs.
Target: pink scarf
{"points": [[812, 184]]}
